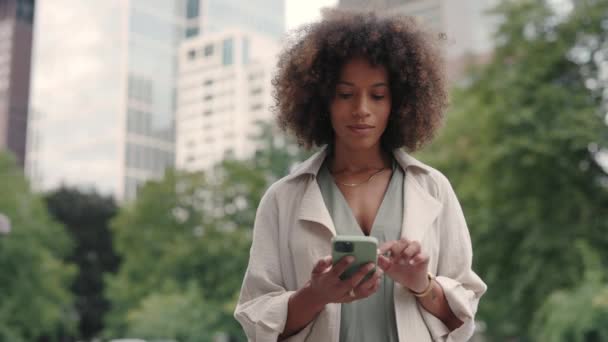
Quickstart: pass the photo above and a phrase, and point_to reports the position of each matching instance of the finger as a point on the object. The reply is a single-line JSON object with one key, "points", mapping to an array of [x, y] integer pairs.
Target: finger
{"points": [[369, 283], [386, 247], [412, 249], [347, 298], [322, 265], [384, 263], [353, 281], [398, 248], [370, 290], [342, 265], [419, 259]]}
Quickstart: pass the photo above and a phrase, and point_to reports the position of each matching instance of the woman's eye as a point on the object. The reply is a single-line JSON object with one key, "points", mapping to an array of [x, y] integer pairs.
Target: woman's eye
{"points": [[345, 95], [377, 97]]}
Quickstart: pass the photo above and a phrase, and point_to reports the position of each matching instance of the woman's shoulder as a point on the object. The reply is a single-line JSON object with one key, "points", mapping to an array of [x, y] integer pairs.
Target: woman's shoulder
{"points": [[428, 177]]}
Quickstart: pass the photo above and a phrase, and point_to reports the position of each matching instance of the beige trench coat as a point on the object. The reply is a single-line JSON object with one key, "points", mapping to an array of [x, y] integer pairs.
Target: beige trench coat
{"points": [[292, 231]]}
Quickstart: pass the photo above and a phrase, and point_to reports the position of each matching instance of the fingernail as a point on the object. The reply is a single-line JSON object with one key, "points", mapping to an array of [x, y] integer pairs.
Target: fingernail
{"points": [[412, 262]]}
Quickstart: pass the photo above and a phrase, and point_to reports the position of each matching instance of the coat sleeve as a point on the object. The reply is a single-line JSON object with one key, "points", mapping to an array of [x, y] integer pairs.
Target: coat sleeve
{"points": [[462, 287], [262, 306]]}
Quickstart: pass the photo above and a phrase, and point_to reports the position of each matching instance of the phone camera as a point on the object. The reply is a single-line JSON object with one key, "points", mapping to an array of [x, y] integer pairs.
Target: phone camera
{"points": [[344, 247]]}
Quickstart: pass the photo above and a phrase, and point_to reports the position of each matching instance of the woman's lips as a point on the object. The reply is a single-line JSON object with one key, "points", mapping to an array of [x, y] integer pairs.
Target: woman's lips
{"points": [[360, 129]]}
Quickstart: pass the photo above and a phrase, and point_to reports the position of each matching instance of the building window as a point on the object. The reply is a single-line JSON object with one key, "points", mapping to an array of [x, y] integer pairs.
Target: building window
{"points": [[25, 10], [208, 82], [227, 47], [208, 98], [256, 75], [192, 9], [140, 89], [256, 106], [229, 153], [208, 50], [192, 31], [191, 54], [245, 50], [208, 112], [256, 91]]}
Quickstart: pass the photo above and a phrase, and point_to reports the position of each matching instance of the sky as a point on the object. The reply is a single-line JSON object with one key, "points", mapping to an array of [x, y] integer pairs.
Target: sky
{"points": [[300, 12]]}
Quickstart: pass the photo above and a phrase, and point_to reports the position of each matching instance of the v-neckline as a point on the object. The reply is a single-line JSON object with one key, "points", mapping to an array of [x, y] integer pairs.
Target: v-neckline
{"points": [[345, 203]]}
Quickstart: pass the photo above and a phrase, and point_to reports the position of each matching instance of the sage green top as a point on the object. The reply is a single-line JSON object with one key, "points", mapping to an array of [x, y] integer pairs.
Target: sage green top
{"points": [[371, 318]]}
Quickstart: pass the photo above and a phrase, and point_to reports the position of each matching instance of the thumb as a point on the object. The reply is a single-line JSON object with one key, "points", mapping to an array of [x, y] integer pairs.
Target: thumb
{"points": [[322, 265]]}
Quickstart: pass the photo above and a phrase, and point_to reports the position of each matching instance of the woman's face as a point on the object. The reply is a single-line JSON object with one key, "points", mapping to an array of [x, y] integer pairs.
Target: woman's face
{"points": [[361, 104]]}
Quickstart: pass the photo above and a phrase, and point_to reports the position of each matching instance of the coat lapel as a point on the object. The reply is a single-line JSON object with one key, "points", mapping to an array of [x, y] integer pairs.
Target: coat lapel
{"points": [[420, 210], [312, 207]]}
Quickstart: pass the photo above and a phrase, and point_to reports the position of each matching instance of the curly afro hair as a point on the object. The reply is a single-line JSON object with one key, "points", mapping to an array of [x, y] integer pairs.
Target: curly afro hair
{"points": [[309, 67]]}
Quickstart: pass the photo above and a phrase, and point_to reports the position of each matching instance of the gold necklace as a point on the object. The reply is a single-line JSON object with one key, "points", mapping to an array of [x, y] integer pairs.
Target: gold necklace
{"points": [[352, 185]]}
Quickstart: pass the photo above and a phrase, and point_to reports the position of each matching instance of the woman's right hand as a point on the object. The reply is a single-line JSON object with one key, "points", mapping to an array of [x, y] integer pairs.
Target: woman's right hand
{"points": [[327, 287]]}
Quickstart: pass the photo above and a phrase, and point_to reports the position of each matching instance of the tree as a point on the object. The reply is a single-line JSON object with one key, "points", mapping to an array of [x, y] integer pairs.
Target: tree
{"points": [[34, 299], [521, 146], [185, 244], [86, 217]]}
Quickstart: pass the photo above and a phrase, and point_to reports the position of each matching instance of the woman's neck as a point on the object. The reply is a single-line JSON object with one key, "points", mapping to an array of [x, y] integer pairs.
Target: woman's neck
{"points": [[347, 160]]}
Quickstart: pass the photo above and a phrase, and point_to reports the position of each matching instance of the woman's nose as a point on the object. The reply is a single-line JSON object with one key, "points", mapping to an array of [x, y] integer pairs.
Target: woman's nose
{"points": [[361, 107]]}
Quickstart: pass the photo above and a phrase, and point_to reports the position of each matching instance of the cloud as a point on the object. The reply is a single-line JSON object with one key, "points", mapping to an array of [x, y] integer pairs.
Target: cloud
{"points": [[77, 90]]}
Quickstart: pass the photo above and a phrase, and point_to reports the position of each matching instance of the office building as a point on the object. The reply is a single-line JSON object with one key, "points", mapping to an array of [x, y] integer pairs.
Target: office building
{"points": [[224, 89], [103, 93], [466, 25], [16, 26]]}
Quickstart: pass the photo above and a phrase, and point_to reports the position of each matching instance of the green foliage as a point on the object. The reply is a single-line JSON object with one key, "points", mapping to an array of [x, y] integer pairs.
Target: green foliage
{"points": [[521, 147], [185, 244], [183, 316], [86, 217], [555, 320], [34, 298]]}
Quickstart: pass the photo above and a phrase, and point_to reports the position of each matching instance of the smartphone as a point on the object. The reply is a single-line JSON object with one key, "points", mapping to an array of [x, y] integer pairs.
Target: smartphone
{"points": [[363, 248]]}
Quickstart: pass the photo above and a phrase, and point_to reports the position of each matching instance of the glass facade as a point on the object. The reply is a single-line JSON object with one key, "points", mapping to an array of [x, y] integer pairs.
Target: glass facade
{"points": [[192, 9], [153, 35], [120, 58], [119, 131], [227, 52], [263, 16], [25, 10]]}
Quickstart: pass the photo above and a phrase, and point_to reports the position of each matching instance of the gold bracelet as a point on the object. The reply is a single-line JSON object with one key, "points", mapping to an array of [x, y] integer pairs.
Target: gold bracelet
{"points": [[428, 289]]}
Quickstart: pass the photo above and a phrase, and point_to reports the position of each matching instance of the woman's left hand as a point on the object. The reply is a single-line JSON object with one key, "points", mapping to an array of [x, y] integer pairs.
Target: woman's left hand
{"points": [[406, 263]]}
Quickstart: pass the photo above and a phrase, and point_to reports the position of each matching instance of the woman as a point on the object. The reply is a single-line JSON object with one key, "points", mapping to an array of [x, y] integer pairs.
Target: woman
{"points": [[366, 87]]}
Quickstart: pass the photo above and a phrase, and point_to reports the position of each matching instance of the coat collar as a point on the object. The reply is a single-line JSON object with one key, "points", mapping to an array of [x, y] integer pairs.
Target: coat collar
{"points": [[421, 208], [313, 164]]}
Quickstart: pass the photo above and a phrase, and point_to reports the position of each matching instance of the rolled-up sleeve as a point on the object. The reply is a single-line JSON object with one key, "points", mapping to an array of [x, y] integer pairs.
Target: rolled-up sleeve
{"points": [[262, 306], [461, 286]]}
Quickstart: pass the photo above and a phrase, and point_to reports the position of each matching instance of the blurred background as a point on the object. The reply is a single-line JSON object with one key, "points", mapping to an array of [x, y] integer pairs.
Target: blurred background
{"points": [[137, 137]]}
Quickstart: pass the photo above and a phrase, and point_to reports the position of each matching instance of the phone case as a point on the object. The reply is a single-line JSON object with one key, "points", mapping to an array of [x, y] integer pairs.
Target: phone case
{"points": [[363, 248]]}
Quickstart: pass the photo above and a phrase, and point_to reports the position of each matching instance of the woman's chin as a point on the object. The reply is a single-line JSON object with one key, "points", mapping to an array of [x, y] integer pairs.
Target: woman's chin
{"points": [[361, 145]]}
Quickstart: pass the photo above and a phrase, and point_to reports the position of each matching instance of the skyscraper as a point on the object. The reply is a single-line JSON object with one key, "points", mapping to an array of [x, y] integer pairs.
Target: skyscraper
{"points": [[465, 23], [224, 89], [104, 85], [265, 17], [16, 19], [103, 93]]}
